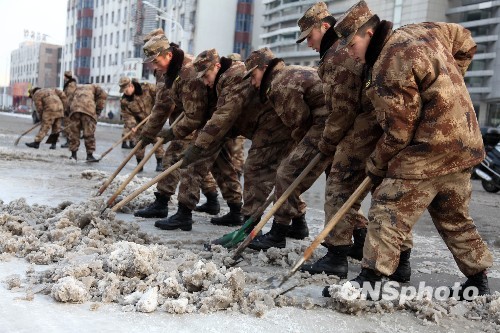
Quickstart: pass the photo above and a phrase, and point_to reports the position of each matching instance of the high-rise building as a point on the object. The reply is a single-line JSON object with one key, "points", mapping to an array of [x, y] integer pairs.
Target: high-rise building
{"points": [[34, 63]]}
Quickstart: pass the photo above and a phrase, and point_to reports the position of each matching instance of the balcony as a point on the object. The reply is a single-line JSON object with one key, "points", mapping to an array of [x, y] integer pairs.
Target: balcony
{"points": [[486, 39], [479, 90], [482, 56], [279, 32], [306, 4], [490, 21], [479, 73], [477, 6], [286, 18]]}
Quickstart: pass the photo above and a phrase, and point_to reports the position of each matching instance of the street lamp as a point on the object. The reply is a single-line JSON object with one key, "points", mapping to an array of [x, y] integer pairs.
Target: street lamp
{"points": [[168, 17]]}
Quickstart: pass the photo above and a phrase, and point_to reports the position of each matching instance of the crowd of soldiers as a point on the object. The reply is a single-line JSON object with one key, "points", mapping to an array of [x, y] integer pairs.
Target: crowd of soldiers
{"points": [[388, 104]]}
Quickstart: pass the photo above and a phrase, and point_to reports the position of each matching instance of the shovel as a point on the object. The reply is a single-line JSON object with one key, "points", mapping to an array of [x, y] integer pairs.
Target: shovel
{"points": [[132, 175], [144, 187], [123, 138], [362, 188], [233, 238], [24, 133], [275, 207]]}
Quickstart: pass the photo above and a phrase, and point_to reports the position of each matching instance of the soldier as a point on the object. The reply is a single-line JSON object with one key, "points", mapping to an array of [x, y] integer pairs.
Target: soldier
{"points": [[69, 88], [136, 104], [239, 112], [219, 161], [431, 139], [85, 104], [50, 105], [296, 95]]}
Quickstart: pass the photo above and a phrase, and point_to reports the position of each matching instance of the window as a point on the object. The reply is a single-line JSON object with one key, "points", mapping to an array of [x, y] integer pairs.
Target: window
{"points": [[117, 37], [48, 51], [105, 39], [106, 21], [112, 17], [93, 62], [94, 43], [124, 36], [109, 78], [100, 21], [102, 78], [118, 16], [99, 61], [110, 62], [243, 22], [95, 22], [100, 41], [111, 39], [103, 64], [97, 79]]}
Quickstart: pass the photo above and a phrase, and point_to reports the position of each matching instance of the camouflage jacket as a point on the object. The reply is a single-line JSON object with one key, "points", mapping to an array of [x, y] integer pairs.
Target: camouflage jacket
{"points": [[182, 91], [239, 111], [136, 107], [50, 103], [69, 89], [421, 101], [89, 99], [295, 93], [341, 77]]}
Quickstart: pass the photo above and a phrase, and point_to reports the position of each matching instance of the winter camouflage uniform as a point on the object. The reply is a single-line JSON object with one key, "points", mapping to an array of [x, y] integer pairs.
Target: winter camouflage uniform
{"points": [[240, 112], [296, 95], [219, 163], [430, 140], [50, 105], [136, 107], [85, 104]]}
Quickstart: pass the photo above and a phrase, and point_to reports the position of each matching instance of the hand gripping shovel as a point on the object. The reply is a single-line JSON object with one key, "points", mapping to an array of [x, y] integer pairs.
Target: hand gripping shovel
{"points": [[120, 167], [233, 238], [362, 188], [275, 207], [26, 132], [123, 138], [132, 175], [144, 187]]}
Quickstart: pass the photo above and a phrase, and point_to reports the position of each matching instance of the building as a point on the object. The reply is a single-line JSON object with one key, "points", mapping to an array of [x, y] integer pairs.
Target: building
{"points": [[34, 63]]}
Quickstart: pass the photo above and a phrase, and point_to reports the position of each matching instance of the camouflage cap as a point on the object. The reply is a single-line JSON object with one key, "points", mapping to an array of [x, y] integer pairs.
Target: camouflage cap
{"points": [[68, 74], [312, 16], [151, 34], [205, 60], [123, 83], [349, 23], [234, 56], [154, 47], [32, 91], [258, 58]]}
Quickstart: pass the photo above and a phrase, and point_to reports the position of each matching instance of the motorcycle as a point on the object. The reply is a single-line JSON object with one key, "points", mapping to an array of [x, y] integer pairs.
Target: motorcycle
{"points": [[489, 169]]}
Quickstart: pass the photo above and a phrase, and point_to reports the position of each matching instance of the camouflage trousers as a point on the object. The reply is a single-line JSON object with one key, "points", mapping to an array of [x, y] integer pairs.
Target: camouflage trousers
{"points": [[220, 164], [81, 122], [237, 150], [48, 124], [290, 168], [208, 184], [259, 173], [168, 185], [397, 204]]}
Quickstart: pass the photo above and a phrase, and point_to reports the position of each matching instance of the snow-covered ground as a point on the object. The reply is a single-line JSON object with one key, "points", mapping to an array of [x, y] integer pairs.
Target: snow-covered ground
{"points": [[65, 266]]}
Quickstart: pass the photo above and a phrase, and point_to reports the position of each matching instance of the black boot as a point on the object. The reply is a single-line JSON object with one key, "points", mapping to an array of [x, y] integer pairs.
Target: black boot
{"points": [[249, 229], [333, 263], [211, 207], [91, 158], [366, 276], [73, 156], [356, 251], [131, 144], [403, 272], [181, 220], [233, 218], [124, 145], [33, 144], [159, 164], [299, 229], [139, 161], [477, 284], [65, 145], [159, 208], [53, 146], [276, 237]]}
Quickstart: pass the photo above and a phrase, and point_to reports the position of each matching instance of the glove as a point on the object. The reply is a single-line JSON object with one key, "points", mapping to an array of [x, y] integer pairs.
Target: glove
{"points": [[376, 180], [326, 148], [145, 140], [166, 134], [191, 154]]}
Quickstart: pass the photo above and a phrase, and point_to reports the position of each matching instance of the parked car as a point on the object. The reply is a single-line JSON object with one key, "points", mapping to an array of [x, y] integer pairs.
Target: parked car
{"points": [[23, 109]]}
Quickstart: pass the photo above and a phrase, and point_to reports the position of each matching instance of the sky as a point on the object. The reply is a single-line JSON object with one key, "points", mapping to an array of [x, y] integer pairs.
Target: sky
{"points": [[44, 16]]}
